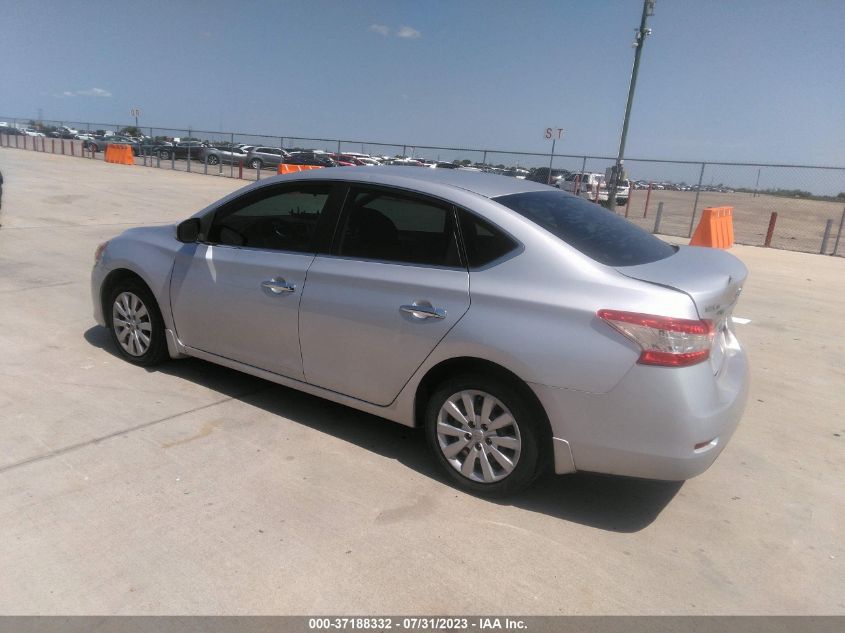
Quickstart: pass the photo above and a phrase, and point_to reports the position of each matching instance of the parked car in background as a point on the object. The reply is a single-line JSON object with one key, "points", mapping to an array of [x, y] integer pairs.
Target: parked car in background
{"points": [[522, 327], [99, 143], [260, 157], [403, 161], [223, 153], [31, 131], [590, 184], [368, 161], [354, 160], [321, 159], [181, 150], [541, 175]]}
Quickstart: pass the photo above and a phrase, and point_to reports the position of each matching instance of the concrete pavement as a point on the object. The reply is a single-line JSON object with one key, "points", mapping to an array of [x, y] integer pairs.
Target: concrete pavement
{"points": [[193, 489]]}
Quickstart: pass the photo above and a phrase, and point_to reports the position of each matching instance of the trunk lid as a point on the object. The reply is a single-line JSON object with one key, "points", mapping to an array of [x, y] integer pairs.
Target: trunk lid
{"points": [[712, 278]]}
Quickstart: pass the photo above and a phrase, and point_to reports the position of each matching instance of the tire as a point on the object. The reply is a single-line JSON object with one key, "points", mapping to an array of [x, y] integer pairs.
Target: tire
{"points": [[212, 159], [165, 154], [256, 163], [525, 443], [132, 303]]}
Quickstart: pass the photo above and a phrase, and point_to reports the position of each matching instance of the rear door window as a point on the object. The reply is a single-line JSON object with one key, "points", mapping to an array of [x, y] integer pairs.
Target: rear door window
{"points": [[483, 242], [398, 227], [598, 233]]}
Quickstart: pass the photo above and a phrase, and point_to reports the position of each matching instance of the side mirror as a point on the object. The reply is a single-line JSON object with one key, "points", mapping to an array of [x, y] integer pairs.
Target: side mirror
{"points": [[188, 231]]}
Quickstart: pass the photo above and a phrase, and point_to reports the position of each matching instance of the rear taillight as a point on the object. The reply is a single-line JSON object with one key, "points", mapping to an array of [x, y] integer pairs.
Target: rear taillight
{"points": [[664, 341]]}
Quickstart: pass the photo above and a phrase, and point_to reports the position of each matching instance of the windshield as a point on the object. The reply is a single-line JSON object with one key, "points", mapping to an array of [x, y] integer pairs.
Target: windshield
{"points": [[598, 233]]}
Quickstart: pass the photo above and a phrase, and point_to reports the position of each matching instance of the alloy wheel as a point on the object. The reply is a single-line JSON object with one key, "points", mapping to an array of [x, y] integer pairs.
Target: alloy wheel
{"points": [[132, 323], [478, 436]]}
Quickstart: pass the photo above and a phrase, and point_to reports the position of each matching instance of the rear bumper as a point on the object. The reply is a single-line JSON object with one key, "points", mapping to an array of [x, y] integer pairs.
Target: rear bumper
{"points": [[649, 424]]}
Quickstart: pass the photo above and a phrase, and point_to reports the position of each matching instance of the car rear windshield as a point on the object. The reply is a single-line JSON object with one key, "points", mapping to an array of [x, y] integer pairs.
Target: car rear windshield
{"points": [[598, 233]]}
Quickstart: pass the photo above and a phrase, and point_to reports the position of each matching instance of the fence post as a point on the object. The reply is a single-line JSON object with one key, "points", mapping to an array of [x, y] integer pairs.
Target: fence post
{"points": [[205, 165], [828, 225], [771, 231], [281, 142], [695, 202], [189, 150], [258, 172], [404, 149], [484, 158], [240, 170], [658, 217], [232, 149], [647, 198], [630, 195], [839, 233]]}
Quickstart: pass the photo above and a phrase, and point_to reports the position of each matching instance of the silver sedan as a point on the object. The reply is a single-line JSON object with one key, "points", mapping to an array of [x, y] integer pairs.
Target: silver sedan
{"points": [[524, 328]]}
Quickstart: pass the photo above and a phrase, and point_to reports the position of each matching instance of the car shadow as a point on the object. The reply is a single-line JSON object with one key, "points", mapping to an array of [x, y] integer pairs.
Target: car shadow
{"points": [[616, 504]]}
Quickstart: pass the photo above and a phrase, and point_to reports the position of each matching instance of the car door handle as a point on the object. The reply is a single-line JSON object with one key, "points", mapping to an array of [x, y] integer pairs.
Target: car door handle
{"points": [[424, 312], [278, 286]]}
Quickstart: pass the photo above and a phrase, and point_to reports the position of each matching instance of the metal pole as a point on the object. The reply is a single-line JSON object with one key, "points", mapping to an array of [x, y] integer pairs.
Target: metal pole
{"points": [[695, 202], [189, 150], [828, 225], [231, 148], [484, 158], [639, 42], [551, 158], [839, 233], [771, 231], [658, 217], [756, 184], [647, 198]]}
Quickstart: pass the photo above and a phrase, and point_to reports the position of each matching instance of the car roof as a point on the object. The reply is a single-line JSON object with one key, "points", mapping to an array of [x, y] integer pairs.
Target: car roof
{"points": [[487, 185]]}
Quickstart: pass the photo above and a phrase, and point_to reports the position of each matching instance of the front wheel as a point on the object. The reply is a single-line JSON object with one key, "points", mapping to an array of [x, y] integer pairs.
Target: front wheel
{"points": [[165, 155], [212, 159], [255, 163], [136, 325], [486, 435]]}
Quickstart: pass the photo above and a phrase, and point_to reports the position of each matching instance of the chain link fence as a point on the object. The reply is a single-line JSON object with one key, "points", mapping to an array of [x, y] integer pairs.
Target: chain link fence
{"points": [[793, 207]]}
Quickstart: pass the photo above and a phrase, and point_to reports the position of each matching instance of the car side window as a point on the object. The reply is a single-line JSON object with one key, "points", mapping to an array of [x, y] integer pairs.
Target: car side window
{"points": [[397, 227], [276, 220], [483, 242]]}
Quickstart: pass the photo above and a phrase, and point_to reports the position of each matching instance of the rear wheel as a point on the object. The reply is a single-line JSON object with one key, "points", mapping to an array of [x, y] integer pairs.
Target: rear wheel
{"points": [[486, 435], [255, 163], [136, 325], [212, 159], [165, 155]]}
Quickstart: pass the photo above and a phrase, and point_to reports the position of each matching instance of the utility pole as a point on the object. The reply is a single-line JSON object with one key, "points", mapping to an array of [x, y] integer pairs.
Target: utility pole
{"points": [[639, 41]]}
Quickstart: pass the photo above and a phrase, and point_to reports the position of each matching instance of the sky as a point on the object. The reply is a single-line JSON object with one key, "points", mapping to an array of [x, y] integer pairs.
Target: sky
{"points": [[736, 80]]}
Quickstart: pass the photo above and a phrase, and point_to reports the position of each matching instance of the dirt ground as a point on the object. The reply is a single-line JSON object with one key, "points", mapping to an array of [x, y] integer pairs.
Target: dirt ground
{"points": [[800, 224]]}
